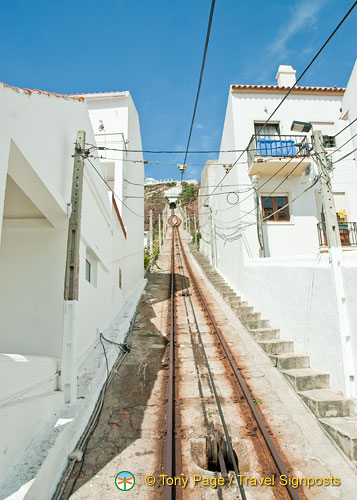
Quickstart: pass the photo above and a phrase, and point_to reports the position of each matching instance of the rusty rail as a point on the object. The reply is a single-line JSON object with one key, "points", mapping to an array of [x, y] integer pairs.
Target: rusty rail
{"points": [[169, 453], [260, 423]]}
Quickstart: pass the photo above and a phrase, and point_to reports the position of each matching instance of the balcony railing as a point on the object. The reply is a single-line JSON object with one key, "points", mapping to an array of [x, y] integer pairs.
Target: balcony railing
{"points": [[348, 233], [278, 146]]}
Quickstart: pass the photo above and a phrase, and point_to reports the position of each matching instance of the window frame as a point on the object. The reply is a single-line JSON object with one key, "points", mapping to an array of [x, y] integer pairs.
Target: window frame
{"points": [[274, 219]]}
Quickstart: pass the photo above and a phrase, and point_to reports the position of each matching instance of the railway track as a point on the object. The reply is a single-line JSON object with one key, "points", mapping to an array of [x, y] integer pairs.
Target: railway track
{"points": [[231, 440]]}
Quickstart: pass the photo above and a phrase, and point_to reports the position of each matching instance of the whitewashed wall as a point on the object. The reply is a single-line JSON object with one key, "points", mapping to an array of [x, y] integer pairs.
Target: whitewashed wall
{"points": [[297, 295]]}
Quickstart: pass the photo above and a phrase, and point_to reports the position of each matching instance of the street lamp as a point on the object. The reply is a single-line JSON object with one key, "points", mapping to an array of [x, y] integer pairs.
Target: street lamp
{"points": [[297, 126]]}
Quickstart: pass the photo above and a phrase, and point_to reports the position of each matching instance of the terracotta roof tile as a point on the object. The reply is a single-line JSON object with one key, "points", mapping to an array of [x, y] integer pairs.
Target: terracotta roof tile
{"points": [[276, 88], [43, 92]]}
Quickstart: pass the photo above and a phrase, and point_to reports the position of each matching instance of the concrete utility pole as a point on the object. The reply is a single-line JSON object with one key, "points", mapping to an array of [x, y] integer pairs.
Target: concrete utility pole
{"points": [[332, 232], [151, 242], [70, 324], [189, 224], [195, 229], [159, 233]]}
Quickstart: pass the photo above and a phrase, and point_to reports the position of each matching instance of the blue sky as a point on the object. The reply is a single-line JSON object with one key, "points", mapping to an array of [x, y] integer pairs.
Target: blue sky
{"points": [[154, 50]]}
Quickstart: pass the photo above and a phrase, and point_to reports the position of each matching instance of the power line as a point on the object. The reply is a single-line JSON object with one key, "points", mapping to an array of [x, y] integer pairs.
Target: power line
{"points": [[271, 177], [272, 192], [239, 229], [344, 144], [338, 133], [200, 80], [348, 154], [113, 192], [297, 81]]}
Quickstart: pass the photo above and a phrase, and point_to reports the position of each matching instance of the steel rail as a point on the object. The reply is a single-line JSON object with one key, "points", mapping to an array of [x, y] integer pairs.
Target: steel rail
{"points": [[269, 442], [215, 393], [169, 454]]}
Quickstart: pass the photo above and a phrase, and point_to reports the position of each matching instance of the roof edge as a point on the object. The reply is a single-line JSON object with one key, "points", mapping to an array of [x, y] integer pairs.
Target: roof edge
{"points": [[275, 89], [41, 92]]}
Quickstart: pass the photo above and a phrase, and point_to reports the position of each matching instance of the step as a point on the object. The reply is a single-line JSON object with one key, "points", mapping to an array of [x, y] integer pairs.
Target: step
{"points": [[252, 324], [234, 301], [262, 334], [244, 310], [344, 431], [248, 316], [277, 346], [327, 403], [306, 379], [290, 360]]}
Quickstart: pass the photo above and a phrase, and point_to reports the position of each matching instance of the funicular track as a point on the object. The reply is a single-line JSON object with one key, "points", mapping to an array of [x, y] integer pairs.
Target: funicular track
{"points": [[219, 448]]}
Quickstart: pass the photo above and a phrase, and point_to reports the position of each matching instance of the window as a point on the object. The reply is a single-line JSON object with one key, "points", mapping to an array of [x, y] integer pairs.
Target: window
{"points": [[120, 277], [88, 270], [271, 204], [269, 129], [329, 141], [91, 267]]}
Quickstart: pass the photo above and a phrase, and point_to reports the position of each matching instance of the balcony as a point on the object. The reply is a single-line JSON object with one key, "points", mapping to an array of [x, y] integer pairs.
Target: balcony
{"points": [[267, 155], [348, 234]]}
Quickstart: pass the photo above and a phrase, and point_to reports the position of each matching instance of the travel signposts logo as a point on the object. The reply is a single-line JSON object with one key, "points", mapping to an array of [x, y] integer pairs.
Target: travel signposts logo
{"points": [[124, 480]]}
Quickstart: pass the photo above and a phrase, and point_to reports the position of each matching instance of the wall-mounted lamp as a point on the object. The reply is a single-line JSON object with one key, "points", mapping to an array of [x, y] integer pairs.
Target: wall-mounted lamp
{"points": [[300, 126]]}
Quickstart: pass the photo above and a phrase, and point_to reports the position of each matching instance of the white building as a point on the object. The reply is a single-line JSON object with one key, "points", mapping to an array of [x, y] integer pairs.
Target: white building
{"points": [[39, 424], [269, 205], [349, 109]]}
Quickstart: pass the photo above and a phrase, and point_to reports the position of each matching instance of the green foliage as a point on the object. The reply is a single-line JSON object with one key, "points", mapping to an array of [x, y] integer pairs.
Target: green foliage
{"points": [[198, 236], [189, 193]]}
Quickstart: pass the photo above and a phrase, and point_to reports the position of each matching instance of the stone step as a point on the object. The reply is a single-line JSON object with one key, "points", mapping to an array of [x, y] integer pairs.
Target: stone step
{"points": [[234, 301], [290, 360], [344, 431], [248, 316], [244, 309], [306, 379], [277, 346], [327, 403], [262, 334], [252, 324]]}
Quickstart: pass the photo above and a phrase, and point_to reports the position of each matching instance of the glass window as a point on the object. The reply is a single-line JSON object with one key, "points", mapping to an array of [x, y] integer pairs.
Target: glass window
{"points": [[274, 208], [88, 270]]}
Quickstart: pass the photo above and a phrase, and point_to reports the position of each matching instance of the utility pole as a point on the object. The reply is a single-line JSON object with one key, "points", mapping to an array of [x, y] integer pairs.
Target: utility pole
{"points": [[160, 233], [195, 229], [70, 323], [151, 242], [189, 224], [332, 232]]}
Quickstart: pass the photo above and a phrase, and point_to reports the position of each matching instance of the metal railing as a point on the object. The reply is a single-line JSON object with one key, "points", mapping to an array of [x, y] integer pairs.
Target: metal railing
{"points": [[348, 233], [283, 146]]}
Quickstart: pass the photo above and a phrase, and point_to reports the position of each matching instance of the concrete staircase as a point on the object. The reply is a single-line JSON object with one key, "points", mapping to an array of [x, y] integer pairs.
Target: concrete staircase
{"points": [[335, 412]]}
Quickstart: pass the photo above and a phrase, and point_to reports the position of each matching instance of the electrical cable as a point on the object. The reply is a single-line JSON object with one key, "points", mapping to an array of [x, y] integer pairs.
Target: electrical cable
{"points": [[344, 144], [338, 133], [348, 154], [200, 80], [276, 211], [297, 81], [105, 182]]}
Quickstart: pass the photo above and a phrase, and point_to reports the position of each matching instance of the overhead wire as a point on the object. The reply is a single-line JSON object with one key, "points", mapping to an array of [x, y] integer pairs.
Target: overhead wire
{"points": [[351, 123], [200, 80], [295, 84], [113, 192]]}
